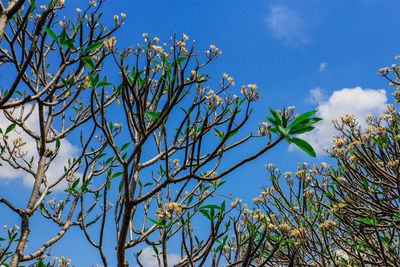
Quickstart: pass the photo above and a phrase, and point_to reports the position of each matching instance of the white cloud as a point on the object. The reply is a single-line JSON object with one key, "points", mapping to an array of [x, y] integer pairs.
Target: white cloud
{"points": [[316, 96], [354, 101], [56, 169], [148, 258], [322, 66], [286, 25]]}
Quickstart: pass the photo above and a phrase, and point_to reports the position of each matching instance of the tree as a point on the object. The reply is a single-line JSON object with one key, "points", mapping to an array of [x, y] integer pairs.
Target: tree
{"points": [[152, 145], [341, 215]]}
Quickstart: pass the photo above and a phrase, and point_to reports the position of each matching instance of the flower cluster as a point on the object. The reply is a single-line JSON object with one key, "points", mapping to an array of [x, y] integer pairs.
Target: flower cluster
{"points": [[167, 213], [349, 120], [176, 163], [250, 92], [213, 52], [173, 206], [340, 179], [63, 262], [263, 128], [337, 207], [339, 142], [13, 229], [236, 202], [51, 201], [299, 233], [327, 225], [110, 43], [213, 99], [19, 142], [284, 228]]}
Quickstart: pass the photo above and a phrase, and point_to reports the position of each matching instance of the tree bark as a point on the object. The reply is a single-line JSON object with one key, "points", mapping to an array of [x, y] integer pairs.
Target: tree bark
{"points": [[7, 13]]}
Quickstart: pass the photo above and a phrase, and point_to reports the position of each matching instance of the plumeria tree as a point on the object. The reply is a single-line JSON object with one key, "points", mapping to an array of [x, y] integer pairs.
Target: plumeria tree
{"points": [[50, 61], [153, 140], [341, 215]]}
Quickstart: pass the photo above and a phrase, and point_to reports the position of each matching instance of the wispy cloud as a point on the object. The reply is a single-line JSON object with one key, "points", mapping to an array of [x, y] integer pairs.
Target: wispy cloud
{"points": [[322, 66], [316, 96], [67, 150], [286, 25], [148, 258], [353, 101]]}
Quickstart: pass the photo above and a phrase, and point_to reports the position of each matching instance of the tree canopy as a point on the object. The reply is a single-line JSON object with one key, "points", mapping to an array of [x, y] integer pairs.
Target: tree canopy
{"points": [[152, 143]]}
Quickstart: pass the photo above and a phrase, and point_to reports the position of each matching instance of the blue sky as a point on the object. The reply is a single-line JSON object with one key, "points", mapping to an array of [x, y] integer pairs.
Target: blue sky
{"points": [[299, 53]]}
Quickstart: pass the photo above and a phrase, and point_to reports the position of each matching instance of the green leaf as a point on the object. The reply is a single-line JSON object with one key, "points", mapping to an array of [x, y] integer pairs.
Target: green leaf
{"points": [[284, 121], [108, 161], [71, 81], [75, 183], [84, 185], [120, 185], [221, 183], [181, 59], [125, 146], [63, 37], [154, 115], [114, 175], [232, 134], [223, 206], [369, 222], [71, 190], [302, 117], [385, 239], [310, 121], [159, 223], [206, 214], [155, 249], [79, 216], [277, 119], [365, 184], [283, 131], [73, 26], [89, 62], [344, 261], [274, 130], [221, 135], [327, 194], [373, 218], [210, 207], [70, 44], [299, 129], [58, 143], [104, 82], [93, 46], [51, 33], [10, 128], [361, 244], [190, 200], [148, 184], [212, 213], [303, 145]]}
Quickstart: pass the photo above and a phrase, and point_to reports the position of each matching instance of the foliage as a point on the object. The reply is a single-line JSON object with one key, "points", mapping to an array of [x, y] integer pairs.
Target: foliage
{"points": [[152, 142], [342, 215]]}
